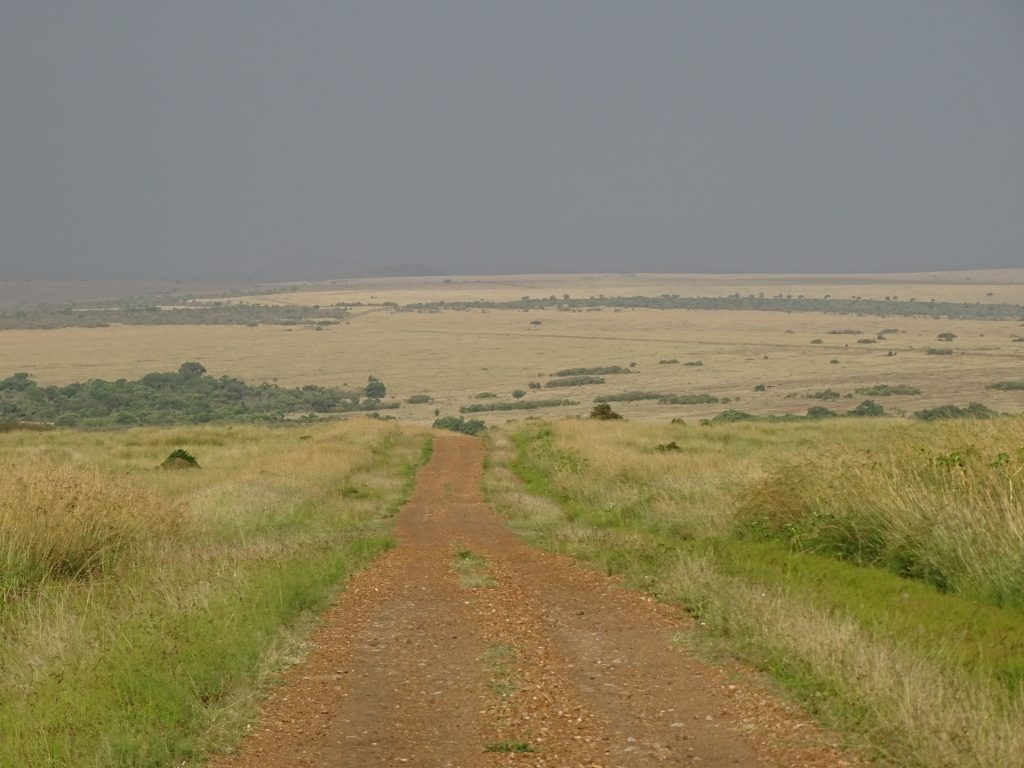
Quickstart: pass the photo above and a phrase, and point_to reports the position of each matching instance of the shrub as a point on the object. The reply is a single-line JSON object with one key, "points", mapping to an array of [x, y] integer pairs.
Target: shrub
{"points": [[760, 388], [691, 399], [624, 397], [375, 388], [886, 390], [484, 395], [534, 385], [518, 393], [517, 405], [820, 412], [670, 447], [938, 351], [867, 341], [459, 424], [729, 416], [600, 370], [670, 361], [574, 381], [823, 394], [867, 408], [1007, 385], [418, 399], [946, 336], [972, 411], [180, 459], [817, 341], [604, 412], [694, 363]]}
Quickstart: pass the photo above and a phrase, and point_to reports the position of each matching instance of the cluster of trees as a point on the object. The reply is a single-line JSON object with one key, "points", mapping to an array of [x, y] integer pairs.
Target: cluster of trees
{"points": [[193, 314], [662, 398], [517, 405], [854, 306], [186, 396], [598, 370]]}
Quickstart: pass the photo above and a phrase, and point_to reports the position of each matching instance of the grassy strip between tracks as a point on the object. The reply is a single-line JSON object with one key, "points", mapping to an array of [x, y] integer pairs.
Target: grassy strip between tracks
{"points": [[912, 675], [157, 650]]}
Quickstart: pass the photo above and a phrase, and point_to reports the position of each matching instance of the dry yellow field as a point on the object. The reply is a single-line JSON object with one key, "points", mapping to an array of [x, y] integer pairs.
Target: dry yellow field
{"points": [[995, 285], [454, 356]]}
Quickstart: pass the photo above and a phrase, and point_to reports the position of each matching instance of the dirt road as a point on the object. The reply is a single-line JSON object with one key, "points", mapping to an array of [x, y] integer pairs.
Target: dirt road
{"points": [[463, 647]]}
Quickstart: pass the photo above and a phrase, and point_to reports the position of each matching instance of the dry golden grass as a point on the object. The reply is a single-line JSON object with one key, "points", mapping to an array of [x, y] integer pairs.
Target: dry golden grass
{"points": [[920, 677], [453, 356], [62, 522], [994, 285], [167, 653]]}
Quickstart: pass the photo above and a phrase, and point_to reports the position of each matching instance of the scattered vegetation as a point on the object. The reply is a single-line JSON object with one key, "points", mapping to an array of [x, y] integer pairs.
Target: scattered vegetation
{"points": [[669, 361], [574, 381], [419, 399], [516, 405], [888, 307], [1007, 386], [938, 351], [823, 394], [211, 313], [600, 370], [887, 390]]}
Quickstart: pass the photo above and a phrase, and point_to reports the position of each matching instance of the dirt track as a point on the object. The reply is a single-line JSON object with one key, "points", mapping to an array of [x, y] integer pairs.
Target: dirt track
{"points": [[414, 667]]}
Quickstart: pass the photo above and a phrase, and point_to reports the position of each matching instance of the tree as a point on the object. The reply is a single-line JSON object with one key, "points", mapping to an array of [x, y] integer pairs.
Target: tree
{"points": [[518, 393], [375, 388], [192, 369]]}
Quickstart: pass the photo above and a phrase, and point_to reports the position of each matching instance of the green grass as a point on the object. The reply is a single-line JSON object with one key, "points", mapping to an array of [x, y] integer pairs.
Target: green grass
{"points": [[472, 570], [509, 746], [917, 674], [162, 658]]}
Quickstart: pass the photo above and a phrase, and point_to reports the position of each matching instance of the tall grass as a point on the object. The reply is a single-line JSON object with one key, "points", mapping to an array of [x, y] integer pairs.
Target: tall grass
{"points": [[952, 515], [63, 522], [196, 586], [754, 527]]}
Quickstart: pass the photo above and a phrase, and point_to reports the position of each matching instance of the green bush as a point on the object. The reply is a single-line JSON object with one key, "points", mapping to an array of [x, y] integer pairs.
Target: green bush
{"points": [[867, 408], [886, 390], [600, 370], [604, 412], [731, 415], [180, 459], [824, 394], [972, 411], [459, 424], [418, 399], [574, 381]]}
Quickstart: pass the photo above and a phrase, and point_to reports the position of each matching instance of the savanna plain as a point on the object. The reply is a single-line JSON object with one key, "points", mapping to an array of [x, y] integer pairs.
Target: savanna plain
{"points": [[821, 476]]}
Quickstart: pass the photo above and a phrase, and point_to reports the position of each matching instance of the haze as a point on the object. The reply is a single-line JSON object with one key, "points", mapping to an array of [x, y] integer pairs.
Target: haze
{"points": [[270, 140]]}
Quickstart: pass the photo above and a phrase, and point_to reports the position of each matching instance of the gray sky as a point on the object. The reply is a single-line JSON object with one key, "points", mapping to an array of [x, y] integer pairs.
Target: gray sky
{"points": [[266, 139]]}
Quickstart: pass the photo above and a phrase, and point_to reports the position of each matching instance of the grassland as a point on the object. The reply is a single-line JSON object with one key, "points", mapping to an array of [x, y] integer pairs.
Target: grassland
{"points": [[871, 565], [142, 609], [451, 356], [873, 568]]}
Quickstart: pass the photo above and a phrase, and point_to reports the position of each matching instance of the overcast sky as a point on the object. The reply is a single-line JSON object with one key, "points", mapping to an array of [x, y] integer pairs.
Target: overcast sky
{"points": [[265, 139]]}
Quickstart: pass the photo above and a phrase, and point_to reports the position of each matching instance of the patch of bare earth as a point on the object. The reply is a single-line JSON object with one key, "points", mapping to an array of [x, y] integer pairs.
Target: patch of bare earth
{"points": [[541, 663]]}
